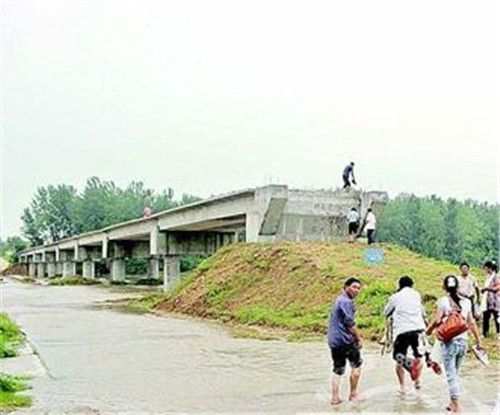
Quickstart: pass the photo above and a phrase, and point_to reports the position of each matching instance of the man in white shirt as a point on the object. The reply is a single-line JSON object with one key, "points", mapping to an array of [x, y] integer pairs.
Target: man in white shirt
{"points": [[405, 307], [467, 287], [370, 226]]}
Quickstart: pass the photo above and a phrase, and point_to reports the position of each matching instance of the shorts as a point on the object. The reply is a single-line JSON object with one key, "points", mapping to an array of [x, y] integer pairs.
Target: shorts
{"points": [[353, 227], [405, 340], [341, 354]]}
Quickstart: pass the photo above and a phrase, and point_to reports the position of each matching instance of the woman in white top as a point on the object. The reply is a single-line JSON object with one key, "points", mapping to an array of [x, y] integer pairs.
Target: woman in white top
{"points": [[454, 350]]}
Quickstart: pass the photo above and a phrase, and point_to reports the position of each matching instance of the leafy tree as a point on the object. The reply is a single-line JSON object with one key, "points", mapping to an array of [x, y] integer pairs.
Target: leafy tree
{"points": [[30, 228], [50, 216], [450, 230], [431, 237], [10, 248], [56, 212]]}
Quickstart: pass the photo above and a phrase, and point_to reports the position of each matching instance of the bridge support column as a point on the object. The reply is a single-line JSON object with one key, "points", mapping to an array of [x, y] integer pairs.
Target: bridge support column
{"points": [[117, 251], [40, 270], [154, 268], [32, 269], [88, 269], [51, 269], [171, 270], [118, 269], [68, 269]]}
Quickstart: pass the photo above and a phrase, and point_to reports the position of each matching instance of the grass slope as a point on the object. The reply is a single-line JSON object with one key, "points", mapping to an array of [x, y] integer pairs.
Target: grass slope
{"points": [[11, 338], [290, 286]]}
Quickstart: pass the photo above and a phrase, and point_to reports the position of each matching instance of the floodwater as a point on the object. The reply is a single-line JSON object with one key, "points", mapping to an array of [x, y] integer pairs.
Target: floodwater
{"points": [[99, 360]]}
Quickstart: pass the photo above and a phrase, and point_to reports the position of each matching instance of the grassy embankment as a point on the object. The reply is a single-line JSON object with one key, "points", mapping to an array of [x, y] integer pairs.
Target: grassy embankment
{"points": [[72, 280], [11, 338], [285, 290]]}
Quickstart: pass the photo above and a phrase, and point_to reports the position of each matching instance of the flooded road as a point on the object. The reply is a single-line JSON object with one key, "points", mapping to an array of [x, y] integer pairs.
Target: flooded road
{"points": [[103, 361]]}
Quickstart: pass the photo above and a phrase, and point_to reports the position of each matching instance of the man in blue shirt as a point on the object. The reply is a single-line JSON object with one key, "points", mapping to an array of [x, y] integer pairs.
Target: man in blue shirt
{"points": [[348, 170], [344, 340]]}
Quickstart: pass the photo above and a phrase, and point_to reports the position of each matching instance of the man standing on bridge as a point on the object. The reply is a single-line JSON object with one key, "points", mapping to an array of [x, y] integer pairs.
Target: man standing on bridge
{"points": [[348, 170]]}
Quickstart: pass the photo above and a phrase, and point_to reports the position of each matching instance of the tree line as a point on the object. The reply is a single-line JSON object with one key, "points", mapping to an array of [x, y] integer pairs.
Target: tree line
{"points": [[444, 229], [57, 212]]}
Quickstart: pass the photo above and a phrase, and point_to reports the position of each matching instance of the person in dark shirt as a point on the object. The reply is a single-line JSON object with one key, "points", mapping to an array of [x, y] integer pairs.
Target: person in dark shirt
{"points": [[348, 170], [344, 341]]}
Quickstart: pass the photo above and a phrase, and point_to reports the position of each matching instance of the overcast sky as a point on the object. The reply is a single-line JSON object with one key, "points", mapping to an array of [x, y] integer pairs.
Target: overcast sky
{"points": [[215, 96]]}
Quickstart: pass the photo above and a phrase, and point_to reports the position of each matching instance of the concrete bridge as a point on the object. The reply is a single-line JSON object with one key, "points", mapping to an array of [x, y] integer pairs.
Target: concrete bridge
{"points": [[264, 214]]}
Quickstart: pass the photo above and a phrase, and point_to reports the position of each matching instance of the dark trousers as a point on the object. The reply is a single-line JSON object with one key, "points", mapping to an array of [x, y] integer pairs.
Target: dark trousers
{"points": [[370, 233], [347, 183], [486, 321]]}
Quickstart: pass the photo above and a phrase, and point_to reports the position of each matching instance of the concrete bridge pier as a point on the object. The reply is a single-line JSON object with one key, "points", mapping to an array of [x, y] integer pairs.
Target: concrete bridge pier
{"points": [[67, 258], [171, 270], [50, 265], [59, 269], [85, 255], [88, 269], [40, 270], [118, 269], [154, 268], [32, 269], [117, 262], [51, 269], [68, 269]]}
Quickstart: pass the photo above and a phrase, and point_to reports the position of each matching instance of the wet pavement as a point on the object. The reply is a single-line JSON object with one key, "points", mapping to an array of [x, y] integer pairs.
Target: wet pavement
{"points": [[98, 360]]}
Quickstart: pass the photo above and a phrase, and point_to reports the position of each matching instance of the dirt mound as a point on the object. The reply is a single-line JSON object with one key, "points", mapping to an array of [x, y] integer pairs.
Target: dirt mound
{"points": [[292, 285], [16, 269]]}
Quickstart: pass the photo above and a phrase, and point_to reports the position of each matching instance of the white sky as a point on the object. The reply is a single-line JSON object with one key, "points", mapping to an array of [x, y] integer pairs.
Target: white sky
{"points": [[215, 96]]}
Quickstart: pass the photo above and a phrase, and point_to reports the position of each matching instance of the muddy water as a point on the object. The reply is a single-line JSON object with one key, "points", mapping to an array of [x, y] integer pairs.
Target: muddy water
{"points": [[104, 361]]}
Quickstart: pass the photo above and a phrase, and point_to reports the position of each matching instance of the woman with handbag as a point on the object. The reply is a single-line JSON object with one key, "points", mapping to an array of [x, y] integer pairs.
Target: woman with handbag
{"points": [[453, 319]]}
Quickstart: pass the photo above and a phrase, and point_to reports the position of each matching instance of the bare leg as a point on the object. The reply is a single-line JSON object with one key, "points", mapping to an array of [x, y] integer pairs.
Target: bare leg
{"points": [[417, 380], [453, 406], [354, 380], [400, 373], [335, 390]]}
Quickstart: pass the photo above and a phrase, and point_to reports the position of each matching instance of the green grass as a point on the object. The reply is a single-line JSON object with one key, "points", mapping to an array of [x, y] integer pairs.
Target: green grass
{"points": [[10, 400], [288, 288], [73, 280], [11, 337], [144, 304]]}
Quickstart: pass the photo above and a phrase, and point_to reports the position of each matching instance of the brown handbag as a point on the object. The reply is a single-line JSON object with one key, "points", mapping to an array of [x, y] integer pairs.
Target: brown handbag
{"points": [[453, 325]]}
